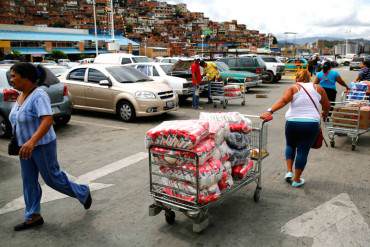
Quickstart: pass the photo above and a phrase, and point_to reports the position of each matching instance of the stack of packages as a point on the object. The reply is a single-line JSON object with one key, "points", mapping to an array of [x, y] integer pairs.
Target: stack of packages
{"points": [[358, 91], [179, 168], [347, 115], [232, 91], [235, 148], [221, 143]]}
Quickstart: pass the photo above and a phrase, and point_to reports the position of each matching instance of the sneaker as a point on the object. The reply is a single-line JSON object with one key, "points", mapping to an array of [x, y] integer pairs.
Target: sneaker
{"points": [[298, 184], [288, 177], [88, 202], [199, 108], [28, 225]]}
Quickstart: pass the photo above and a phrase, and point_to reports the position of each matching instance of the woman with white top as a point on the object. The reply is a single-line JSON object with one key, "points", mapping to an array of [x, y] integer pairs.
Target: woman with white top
{"points": [[302, 122]]}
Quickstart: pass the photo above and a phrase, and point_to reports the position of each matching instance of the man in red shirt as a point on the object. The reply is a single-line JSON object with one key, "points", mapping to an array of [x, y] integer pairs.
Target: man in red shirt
{"points": [[196, 79]]}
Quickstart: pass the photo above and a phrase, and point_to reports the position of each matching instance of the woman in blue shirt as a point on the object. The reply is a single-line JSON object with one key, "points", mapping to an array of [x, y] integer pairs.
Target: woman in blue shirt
{"points": [[328, 79], [32, 122]]}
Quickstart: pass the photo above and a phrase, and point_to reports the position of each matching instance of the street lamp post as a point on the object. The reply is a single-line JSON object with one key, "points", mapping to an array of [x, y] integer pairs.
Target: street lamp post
{"points": [[96, 31], [202, 36]]}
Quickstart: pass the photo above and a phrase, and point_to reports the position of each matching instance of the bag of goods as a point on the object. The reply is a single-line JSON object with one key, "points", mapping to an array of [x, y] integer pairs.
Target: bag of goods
{"points": [[226, 181], [209, 173], [239, 156], [184, 134], [205, 150], [241, 171], [237, 123], [225, 151], [237, 140], [218, 131], [206, 196]]}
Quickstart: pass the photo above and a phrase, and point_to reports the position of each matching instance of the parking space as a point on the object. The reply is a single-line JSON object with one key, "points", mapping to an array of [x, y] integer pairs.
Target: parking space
{"points": [[109, 154]]}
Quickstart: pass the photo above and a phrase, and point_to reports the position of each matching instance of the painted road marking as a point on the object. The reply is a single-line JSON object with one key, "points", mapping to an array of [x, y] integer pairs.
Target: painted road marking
{"points": [[98, 125], [334, 223], [49, 194], [8, 156]]}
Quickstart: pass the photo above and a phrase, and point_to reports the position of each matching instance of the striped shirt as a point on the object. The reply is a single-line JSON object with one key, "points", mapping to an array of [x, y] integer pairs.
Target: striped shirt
{"points": [[26, 118]]}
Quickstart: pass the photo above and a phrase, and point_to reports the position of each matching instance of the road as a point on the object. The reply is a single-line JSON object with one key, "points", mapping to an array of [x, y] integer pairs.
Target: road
{"points": [[332, 209]]}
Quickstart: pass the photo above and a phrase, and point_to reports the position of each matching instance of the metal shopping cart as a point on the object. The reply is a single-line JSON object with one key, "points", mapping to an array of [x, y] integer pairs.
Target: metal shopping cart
{"points": [[195, 209], [220, 93]]}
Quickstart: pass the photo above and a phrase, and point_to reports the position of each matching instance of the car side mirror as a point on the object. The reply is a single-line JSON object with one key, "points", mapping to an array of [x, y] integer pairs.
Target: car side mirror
{"points": [[105, 83]]}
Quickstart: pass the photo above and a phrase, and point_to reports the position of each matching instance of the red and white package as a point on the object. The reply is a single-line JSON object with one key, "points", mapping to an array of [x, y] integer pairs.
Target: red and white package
{"points": [[206, 196], [209, 173], [226, 181], [241, 171], [218, 130], [184, 134], [236, 121], [204, 150]]}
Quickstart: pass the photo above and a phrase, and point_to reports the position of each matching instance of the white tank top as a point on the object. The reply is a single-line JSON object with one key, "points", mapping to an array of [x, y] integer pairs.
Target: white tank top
{"points": [[302, 107]]}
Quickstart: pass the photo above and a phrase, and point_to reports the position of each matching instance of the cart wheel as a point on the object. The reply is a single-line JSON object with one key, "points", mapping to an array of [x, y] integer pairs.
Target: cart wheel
{"points": [[332, 144], [243, 103], [353, 147], [170, 217], [257, 194]]}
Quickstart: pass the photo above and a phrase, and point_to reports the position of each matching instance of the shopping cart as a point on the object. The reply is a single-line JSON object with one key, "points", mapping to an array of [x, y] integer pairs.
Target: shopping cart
{"points": [[346, 121], [219, 94], [195, 210]]}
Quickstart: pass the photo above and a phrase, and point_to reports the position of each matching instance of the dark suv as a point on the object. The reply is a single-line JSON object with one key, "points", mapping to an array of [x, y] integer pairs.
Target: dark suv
{"points": [[251, 64]]}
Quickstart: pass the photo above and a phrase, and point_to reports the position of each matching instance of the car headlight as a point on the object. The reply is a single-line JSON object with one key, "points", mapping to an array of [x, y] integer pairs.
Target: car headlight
{"points": [[145, 95]]}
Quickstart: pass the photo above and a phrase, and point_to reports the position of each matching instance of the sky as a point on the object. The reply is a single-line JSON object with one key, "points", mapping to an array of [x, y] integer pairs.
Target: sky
{"points": [[309, 18]]}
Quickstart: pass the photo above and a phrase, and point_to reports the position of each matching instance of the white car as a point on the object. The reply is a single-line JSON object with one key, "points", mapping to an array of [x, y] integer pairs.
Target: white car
{"points": [[120, 58], [162, 71]]}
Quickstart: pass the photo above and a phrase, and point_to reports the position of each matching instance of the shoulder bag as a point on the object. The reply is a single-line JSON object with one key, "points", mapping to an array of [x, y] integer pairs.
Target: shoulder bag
{"points": [[320, 137]]}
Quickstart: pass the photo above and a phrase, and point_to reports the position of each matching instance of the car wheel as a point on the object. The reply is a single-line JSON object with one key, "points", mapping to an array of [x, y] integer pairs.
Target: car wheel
{"points": [[183, 98], [269, 77], [62, 120], [126, 111], [5, 128]]}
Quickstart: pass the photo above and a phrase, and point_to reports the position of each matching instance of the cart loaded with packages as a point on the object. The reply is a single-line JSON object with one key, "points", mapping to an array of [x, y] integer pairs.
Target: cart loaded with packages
{"points": [[351, 116], [225, 92], [195, 164]]}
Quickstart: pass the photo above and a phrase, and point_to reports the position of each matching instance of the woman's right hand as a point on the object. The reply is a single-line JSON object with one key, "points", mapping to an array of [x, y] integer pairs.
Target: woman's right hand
{"points": [[266, 116]]}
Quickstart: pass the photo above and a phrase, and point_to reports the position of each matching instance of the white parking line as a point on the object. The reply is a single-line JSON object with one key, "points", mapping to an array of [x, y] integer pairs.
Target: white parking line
{"points": [[8, 156], [98, 125]]}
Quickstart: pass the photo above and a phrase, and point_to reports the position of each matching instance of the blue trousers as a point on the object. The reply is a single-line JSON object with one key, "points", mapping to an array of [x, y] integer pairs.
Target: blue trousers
{"points": [[195, 98], [44, 161], [300, 136]]}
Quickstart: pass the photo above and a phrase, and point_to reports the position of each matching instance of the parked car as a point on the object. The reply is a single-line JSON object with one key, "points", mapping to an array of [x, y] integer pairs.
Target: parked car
{"points": [[57, 91], [227, 75], [57, 70], [345, 59], [245, 63], [120, 58], [9, 61], [355, 63], [162, 71], [294, 63], [274, 68], [120, 90]]}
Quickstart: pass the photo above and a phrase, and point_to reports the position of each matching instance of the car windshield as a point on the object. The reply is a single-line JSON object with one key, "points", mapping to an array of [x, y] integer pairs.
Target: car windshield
{"points": [[270, 60], [221, 66], [167, 68], [141, 59], [127, 74], [357, 59]]}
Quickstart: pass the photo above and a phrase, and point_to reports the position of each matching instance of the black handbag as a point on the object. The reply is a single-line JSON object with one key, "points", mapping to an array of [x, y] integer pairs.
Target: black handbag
{"points": [[13, 148]]}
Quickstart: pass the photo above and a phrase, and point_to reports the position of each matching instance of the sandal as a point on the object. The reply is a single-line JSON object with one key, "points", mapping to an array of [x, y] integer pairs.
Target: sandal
{"points": [[288, 177], [298, 184]]}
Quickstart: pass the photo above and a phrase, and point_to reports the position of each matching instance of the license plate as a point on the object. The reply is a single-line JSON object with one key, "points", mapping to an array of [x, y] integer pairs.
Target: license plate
{"points": [[170, 104]]}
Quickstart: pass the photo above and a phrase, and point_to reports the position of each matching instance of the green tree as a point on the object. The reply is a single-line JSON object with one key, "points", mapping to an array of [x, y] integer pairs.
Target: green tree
{"points": [[58, 55]]}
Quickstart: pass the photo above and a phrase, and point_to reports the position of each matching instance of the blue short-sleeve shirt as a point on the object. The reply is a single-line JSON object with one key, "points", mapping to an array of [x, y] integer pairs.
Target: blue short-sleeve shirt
{"points": [[26, 119], [329, 80]]}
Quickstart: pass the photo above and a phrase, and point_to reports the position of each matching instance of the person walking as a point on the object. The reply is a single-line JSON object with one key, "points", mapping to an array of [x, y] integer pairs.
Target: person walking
{"points": [[302, 122], [212, 74], [364, 74], [196, 80], [328, 78], [32, 122]]}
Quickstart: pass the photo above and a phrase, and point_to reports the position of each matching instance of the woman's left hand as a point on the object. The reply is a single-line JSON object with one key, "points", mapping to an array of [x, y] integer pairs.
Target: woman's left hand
{"points": [[26, 150], [266, 116]]}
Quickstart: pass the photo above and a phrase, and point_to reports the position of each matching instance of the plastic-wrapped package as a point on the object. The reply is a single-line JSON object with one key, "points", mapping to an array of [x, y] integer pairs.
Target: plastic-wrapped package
{"points": [[237, 140], [205, 150], [227, 166], [233, 94], [218, 130], [209, 173], [232, 88], [179, 134], [239, 156], [226, 181], [241, 171], [237, 123], [225, 151], [208, 195]]}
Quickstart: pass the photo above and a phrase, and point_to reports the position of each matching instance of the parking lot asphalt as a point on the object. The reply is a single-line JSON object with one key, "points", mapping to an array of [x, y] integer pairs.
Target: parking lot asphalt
{"points": [[332, 209]]}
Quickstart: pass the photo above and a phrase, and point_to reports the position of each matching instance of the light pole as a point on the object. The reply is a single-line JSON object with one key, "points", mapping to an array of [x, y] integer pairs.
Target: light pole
{"points": [[96, 31], [202, 36]]}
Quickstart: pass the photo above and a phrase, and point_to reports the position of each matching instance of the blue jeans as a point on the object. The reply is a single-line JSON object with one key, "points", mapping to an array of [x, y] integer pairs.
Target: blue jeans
{"points": [[300, 136], [195, 98], [44, 161]]}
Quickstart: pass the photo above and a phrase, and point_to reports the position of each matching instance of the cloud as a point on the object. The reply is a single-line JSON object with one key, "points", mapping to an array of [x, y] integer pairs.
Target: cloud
{"points": [[307, 18]]}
